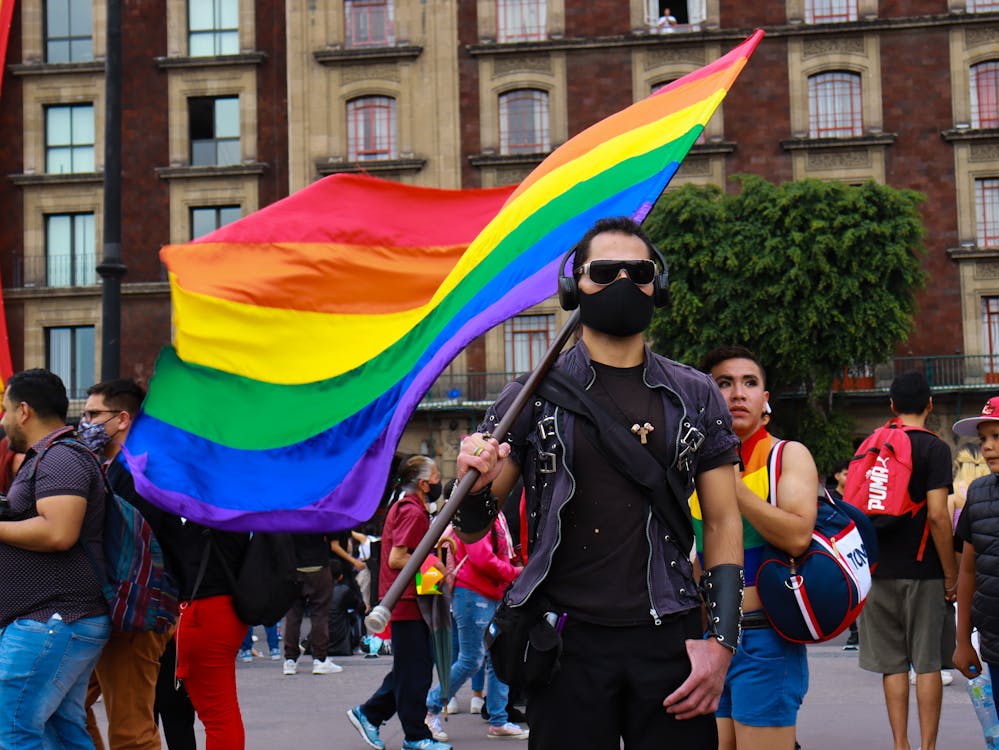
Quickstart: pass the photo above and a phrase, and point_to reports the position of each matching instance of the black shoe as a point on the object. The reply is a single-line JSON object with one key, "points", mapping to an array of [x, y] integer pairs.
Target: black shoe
{"points": [[852, 643], [515, 715]]}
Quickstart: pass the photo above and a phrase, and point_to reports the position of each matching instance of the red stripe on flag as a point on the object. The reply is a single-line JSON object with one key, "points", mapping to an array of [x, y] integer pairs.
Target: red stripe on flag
{"points": [[6, 16]]}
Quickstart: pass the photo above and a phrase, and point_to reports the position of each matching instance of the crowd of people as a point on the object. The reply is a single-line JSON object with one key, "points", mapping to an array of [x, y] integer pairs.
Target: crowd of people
{"points": [[604, 562]]}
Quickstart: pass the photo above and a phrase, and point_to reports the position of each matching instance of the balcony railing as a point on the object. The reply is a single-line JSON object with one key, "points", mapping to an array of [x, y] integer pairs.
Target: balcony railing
{"points": [[948, 372], [476, 390], [466, 389]]}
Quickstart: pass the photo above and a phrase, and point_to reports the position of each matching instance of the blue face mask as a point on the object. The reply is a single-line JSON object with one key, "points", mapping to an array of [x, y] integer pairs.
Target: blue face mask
{"points": [[94, 436]]}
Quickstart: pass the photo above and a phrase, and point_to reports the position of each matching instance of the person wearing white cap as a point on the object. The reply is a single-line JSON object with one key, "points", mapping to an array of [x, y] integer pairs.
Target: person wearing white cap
{"points": [[978, 529]]}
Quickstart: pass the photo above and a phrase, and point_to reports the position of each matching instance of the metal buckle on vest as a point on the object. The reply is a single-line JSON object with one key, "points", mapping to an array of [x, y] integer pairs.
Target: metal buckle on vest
{"points": [[546, 427], [546, 463], [688, 443]]}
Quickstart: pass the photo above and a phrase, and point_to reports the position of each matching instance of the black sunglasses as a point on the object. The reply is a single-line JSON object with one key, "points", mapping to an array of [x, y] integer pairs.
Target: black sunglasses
{"points": [[603, 272]]}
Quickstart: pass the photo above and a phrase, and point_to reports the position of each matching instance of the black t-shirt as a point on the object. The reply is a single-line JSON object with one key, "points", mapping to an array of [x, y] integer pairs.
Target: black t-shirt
{"points": [[899, 543], [604, 547]]}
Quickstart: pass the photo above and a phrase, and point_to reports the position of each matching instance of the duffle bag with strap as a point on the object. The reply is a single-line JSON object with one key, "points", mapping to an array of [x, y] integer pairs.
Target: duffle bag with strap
{"points": [[816, 596]]}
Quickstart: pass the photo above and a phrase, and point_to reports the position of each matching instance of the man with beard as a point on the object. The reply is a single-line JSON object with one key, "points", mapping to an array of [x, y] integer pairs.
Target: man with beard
{"points": [[53, 616], [609, 564]]}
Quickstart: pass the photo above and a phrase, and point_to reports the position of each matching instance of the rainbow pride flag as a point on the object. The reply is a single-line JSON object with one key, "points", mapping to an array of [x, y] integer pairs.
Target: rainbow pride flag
{"points": [[306, 334]]}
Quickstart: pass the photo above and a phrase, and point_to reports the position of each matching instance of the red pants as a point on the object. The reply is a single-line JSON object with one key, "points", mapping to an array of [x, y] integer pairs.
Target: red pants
{"points": [[208, 636]]}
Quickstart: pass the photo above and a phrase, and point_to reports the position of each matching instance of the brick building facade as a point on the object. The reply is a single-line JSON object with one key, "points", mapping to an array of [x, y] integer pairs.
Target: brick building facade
{"points": [[229, 105]]}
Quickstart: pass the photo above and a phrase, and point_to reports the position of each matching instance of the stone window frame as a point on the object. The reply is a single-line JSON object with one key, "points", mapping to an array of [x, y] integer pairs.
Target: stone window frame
{"points": [[177, 31], [517, 74], [653, 67], [640, 24], [33, 31], [239, 81]]}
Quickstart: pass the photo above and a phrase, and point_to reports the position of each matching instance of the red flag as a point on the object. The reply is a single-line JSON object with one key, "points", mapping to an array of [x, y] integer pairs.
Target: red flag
{"points": [[6, 14]]}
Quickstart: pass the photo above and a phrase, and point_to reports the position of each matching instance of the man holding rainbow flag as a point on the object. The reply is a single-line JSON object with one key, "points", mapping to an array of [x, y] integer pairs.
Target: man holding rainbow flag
{"points": [[609, 568]]}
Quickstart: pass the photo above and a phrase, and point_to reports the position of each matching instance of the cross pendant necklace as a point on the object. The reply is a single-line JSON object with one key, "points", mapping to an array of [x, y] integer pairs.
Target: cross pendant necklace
{"points": [[642, 431]]}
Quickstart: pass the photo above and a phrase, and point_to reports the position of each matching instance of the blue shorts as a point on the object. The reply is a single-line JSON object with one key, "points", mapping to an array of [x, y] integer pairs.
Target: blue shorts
{"points": [[767, 681]]}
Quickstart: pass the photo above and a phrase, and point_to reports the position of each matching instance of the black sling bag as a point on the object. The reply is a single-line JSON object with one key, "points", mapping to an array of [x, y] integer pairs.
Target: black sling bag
{"points": [[665, 486]]}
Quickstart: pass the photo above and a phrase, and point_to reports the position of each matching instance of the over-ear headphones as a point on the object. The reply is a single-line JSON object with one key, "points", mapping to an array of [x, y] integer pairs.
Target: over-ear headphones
{"points": [[568, 286]]}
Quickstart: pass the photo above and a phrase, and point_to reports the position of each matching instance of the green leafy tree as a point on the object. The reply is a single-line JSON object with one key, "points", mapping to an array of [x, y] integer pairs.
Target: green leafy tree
{"points": [[815, 277]]}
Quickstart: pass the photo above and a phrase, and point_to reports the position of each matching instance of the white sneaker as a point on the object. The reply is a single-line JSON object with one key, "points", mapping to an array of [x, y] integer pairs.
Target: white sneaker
{"points": [[326, 666], [290, 667], [433, 721], [946, 676], [453, 707], [476, 704], [508, 731]]}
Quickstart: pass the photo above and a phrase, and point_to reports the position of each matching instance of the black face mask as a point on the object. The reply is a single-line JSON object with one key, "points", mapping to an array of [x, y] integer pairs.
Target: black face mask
{"points": [[619, 309], [434, 492]]}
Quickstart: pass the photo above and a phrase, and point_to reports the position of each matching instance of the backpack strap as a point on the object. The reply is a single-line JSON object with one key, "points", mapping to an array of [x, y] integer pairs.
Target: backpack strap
{"points": [[64, 437], [774, 459]]}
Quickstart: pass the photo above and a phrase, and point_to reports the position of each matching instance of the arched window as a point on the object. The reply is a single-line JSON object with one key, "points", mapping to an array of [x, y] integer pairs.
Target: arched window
{"points": [[524, 122], [371, 128], [985, 95], [834, 105]]}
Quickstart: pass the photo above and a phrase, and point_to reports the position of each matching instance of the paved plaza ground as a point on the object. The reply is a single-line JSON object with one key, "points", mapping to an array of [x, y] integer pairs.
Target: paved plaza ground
{"points": [[844, 708]]}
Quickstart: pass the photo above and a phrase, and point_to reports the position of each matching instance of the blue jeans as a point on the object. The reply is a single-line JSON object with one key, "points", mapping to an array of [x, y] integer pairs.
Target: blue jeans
{"points": [[273, 639], [472, 613], [44, 670]]}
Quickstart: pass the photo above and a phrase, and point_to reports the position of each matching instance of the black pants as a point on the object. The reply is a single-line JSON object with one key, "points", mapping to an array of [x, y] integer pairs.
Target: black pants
{"points": [[404, 689], [172, 707], [611, 686]]}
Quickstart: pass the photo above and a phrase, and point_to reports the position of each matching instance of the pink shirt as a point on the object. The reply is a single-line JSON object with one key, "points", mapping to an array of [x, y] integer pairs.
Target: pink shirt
{"points": [[485, 570]]}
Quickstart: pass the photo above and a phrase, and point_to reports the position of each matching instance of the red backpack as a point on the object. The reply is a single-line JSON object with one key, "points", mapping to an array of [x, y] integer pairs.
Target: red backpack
{"points": [[877, 481]]}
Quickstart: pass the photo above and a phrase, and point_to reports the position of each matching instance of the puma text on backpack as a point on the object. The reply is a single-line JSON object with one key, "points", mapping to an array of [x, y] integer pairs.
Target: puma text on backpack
{"points": [[877, 482], [141, 594], [815, 597]]}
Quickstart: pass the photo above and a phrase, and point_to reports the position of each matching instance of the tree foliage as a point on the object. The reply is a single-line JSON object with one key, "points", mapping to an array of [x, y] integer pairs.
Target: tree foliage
{"points": [[813, 276]]}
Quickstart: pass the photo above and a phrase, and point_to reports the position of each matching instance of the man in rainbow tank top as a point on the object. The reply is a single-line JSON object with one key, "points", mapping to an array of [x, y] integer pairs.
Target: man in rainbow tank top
{"points": [[768, 676]]}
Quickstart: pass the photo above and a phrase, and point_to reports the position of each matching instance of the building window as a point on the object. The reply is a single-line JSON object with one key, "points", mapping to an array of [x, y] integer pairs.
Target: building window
{"points": [[69, 31], [527, 340], [369, 23], [205, 219], [830, 11], [212, 27], [668, 16], [834, 107], [524, 122], [985, 95], [69, 138], [214, 123], [70, 252], [990, 336], [983, 6], [987, 211], [371, 128], [520, 20], [69, 353]]}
